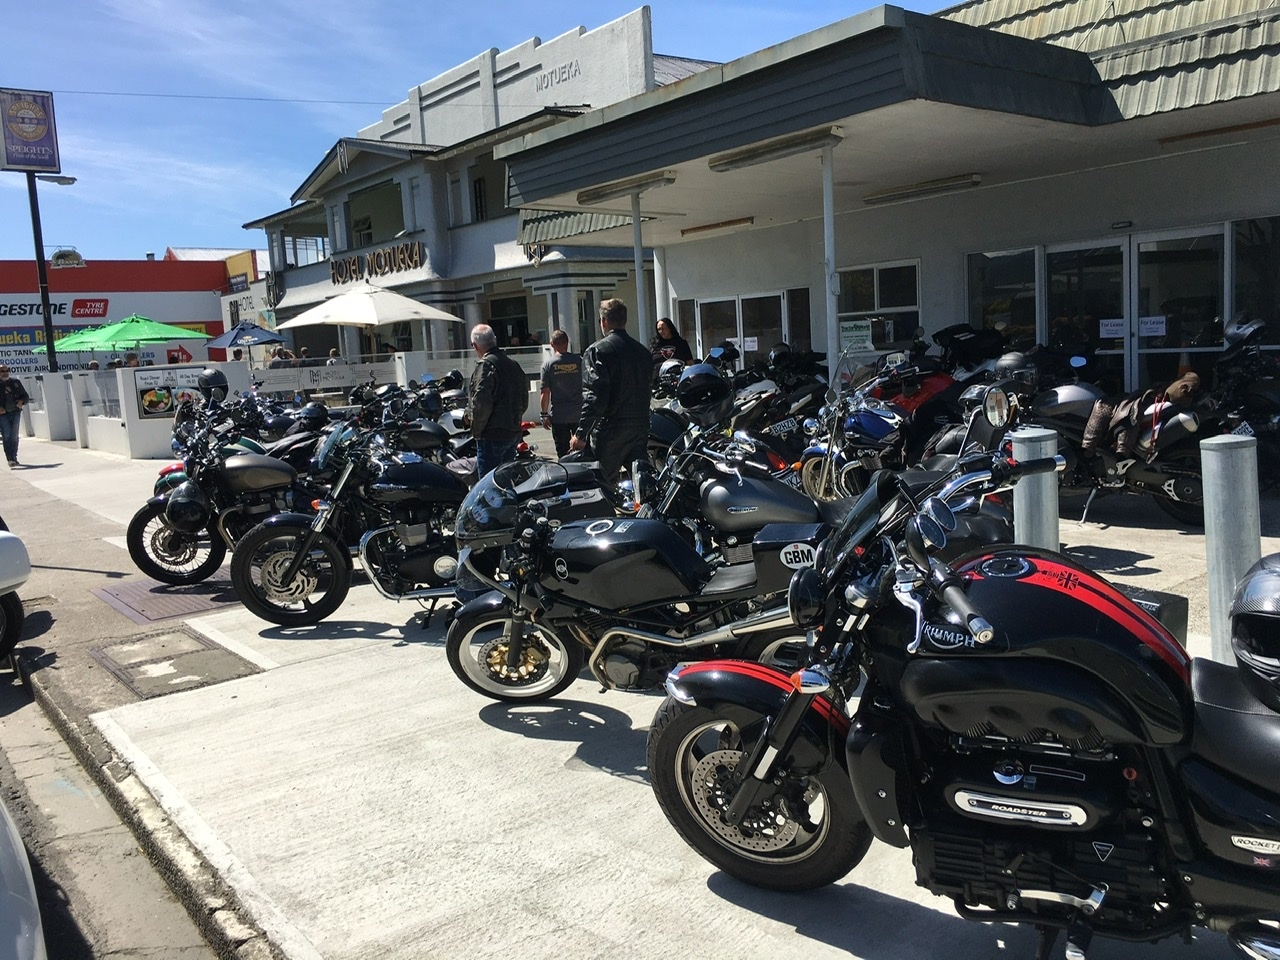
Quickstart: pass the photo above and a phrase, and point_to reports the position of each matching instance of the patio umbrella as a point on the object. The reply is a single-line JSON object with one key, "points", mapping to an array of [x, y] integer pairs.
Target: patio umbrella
{"points": [[367, 305], [244, 334], [135, 330], [71, 343]]}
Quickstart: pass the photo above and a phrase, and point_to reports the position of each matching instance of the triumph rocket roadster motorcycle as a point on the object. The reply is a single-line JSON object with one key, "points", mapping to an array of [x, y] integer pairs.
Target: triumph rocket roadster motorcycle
{"points": [[1045, 748]]}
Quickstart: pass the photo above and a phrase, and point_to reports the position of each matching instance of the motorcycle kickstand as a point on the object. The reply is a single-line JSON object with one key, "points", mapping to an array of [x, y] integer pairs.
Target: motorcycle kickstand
{"points": [[1048, 937], [1084, 516]]}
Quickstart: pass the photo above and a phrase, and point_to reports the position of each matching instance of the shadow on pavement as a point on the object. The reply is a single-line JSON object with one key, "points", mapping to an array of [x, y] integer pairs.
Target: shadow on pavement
{"points": [[36, 624], [330, 630], [606, 739], [1109, 560]]}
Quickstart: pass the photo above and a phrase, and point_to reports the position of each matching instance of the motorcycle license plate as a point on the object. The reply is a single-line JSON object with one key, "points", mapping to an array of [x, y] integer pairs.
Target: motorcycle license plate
{"points": [[792, 479], [783, 426], [1244, 430]]}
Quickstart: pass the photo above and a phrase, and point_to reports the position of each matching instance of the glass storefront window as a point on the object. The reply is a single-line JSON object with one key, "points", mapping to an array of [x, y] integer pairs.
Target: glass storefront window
{"points": [[1180, 292], [880, 304], [1002, 293], [1257, 272]]}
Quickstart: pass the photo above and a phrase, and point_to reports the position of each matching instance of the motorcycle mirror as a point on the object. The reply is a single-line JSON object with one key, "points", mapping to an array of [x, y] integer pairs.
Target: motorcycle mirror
{"points": [[937, 510], [996, 407], [924, 534], [414, 385]]}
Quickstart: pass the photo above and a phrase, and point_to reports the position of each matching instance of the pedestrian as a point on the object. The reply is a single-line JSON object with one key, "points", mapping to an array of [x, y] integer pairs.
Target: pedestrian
{"points": [[93, 364], [617, 386], [667, 344], [561, 392], [13, 397], [334, 357], [131, 360], [304, 356], [281, 358], [237, 354], [496, 401]]}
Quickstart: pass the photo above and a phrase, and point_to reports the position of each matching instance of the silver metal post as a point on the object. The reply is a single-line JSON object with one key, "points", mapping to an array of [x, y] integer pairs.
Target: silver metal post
{"points": [[1232, 528], [1035, 499]]}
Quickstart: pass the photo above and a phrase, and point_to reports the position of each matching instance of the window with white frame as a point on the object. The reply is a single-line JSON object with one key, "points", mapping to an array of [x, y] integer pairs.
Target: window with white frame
{"points": [[879, 305]]}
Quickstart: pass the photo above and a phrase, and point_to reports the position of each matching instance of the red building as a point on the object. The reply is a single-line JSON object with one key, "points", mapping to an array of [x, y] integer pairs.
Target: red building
{"points": [[183, 292]]}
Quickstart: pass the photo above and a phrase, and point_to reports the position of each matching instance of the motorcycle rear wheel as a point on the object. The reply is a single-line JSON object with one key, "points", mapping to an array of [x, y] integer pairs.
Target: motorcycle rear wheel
{"points": [[477, 647], [692, 753], [263, 556], [168, 555]]}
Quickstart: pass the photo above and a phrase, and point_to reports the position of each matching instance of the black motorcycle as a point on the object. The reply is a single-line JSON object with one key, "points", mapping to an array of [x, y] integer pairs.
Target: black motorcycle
{"points": [[701, 572], [205, 502], [1045, 748], [390, 495], [1245, 392]]}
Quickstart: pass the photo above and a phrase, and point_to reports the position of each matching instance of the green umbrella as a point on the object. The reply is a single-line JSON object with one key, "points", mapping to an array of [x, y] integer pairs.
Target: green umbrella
{"points": [[135, 330], [72, 342]]}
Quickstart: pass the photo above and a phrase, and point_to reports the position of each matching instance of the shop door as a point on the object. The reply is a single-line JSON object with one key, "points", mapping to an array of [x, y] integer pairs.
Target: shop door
{"points": [[717, 322], [755, 323], [1086, 309], [1178, 287]]}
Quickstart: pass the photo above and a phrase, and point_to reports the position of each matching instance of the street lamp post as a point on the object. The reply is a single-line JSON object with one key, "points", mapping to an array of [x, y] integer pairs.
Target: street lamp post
{"points": [[41, 271]]}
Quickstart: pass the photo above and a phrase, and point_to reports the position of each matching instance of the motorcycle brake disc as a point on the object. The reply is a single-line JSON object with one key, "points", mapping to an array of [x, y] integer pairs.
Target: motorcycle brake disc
{"points": [[533, 661], [762, 830], [273, 570]]}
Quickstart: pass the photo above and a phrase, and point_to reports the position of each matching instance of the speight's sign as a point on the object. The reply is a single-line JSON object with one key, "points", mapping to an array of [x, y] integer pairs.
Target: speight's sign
{"points": [[376, 263], [30, 137]]}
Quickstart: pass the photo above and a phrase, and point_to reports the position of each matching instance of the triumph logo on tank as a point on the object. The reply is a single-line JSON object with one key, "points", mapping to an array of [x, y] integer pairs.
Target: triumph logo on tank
{"points": [[1257, 844], [945, 638], [798, 555]]}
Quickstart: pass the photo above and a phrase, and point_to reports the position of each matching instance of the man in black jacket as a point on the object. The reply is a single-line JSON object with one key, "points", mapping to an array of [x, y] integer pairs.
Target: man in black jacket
{"points": [[496, 402], [13, 397], [617, 374]]}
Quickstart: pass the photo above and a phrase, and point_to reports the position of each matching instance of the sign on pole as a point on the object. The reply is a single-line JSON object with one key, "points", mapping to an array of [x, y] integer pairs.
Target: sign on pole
{"points": [[30, 137]]}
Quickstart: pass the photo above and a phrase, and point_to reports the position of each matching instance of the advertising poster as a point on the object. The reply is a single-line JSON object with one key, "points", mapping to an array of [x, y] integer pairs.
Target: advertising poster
{"points": [[30, 137], [160, 391]]}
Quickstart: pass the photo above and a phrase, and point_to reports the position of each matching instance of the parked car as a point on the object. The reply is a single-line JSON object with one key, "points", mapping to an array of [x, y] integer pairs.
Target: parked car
{"points": [[15, 567], [21, 934]]}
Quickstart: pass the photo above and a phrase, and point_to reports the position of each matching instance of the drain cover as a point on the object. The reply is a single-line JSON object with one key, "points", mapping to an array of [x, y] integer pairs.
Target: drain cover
{"points": [[147, 600], [170, 662]]}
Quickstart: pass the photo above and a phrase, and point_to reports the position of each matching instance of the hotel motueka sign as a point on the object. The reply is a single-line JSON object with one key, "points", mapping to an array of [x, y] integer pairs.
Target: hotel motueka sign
{"points": [[376, 263]]}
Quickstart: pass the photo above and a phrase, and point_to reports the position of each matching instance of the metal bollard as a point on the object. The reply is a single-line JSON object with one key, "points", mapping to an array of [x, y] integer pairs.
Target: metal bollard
{"points": [[1232, 528], [1035, 499]]}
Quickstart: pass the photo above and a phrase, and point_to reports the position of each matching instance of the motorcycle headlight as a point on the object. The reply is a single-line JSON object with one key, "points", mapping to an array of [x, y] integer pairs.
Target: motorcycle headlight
{"points": [[804, 597]]}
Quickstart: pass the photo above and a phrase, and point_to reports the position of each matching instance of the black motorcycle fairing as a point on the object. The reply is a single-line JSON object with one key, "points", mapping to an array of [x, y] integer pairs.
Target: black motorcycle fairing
{"points": [[875, 781], [615, 564], [759, 690]]}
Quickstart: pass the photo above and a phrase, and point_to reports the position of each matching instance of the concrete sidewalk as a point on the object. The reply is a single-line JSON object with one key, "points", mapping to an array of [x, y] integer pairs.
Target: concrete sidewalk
{"points": [[334, 792]]}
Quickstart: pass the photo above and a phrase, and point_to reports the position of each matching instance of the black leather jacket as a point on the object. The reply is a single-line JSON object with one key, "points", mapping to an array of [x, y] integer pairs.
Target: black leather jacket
{"points": [[498, 397], [617, 375]]}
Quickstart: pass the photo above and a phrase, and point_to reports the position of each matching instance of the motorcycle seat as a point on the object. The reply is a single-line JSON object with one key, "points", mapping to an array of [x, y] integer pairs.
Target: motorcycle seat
{"points": [[731, 579], [1233, 729]]}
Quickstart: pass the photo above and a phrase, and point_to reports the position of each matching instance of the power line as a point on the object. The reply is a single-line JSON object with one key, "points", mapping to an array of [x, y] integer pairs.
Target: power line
{"points": [[206, 96]]}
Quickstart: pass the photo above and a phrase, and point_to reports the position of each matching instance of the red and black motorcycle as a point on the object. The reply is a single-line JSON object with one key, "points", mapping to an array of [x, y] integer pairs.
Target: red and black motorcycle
{"points": [[1045, 748]]}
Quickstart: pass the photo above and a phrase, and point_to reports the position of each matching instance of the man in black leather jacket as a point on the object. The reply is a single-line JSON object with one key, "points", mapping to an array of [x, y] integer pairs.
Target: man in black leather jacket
{"points": [[617, 375], [496, 401]]}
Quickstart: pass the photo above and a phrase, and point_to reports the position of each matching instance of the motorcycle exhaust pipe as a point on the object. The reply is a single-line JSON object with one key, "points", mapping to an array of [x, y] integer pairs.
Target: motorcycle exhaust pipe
{"points": [[427, 593], [764, 620], [1254, 940]]}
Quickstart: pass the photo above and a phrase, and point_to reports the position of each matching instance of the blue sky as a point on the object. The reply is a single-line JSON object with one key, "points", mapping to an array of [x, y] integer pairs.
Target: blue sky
{"points": [[228, 106]]}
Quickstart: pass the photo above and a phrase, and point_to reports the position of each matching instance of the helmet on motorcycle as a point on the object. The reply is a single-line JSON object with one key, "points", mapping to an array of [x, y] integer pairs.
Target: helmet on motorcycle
{"points": [[187, 509], [670, 371], [779, 354], [1239, 329], [314, 414], [213, 384], [704, 394], [1255, 629]]}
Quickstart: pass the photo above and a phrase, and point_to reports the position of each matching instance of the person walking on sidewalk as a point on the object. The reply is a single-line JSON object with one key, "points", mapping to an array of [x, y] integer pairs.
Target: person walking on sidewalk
{"points": [[561, 392], [617, 386], [13, 397], [496, 401]]}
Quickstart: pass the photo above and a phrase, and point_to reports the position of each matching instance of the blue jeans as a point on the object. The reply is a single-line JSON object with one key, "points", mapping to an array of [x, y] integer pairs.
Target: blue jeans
{"points": [[491, 454], [10, 424]]}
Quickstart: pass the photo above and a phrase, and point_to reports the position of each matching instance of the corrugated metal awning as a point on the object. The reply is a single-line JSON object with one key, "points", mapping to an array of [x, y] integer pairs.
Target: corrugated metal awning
{"points": [[539, 226]]}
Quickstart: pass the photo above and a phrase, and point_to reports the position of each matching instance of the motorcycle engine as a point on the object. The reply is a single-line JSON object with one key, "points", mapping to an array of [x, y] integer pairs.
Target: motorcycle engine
{"points": [[635, 665], [414, 554], [1024, 832]]}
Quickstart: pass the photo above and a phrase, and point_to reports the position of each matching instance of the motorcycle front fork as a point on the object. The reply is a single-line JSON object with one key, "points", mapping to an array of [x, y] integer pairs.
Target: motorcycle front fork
{"points": [[758, 773]]}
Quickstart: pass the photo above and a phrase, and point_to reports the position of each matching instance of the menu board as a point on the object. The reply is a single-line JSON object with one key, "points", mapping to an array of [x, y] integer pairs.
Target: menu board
{"points": [[160, 390]]}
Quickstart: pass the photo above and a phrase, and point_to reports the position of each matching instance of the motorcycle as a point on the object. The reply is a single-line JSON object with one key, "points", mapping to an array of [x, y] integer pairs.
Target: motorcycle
{"points": [[1245, 392], [1046, 749], [389, 495], [700, 573]]}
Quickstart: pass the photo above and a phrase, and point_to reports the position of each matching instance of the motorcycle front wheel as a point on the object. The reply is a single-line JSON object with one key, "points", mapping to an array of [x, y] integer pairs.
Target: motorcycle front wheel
{"points": [[168, 555], [262, 559], [477, 651], [806, 833], [818, 477], [11, 619]]}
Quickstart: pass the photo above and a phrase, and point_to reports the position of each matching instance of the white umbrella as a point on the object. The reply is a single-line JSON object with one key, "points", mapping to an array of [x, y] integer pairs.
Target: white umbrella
{"points": [[367, 305]]}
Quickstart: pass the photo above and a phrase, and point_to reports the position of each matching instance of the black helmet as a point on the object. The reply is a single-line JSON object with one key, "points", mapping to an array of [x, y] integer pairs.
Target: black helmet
{"points": [[315, 414], [1241, 329], [781, 353], [187, 509], [704, 395], [1255, 629], [213, 384]]}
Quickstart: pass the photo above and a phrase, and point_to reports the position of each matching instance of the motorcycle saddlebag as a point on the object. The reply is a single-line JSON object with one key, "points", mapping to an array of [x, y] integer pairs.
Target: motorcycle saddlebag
{"points": [[780, 549]]}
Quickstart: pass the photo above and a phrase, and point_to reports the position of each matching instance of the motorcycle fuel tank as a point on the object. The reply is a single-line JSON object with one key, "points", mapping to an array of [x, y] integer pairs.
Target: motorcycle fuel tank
{"points": [[1070, 399], [253, 471], [1072, 657], [423, 481], [734, 506], [614, 564]]}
